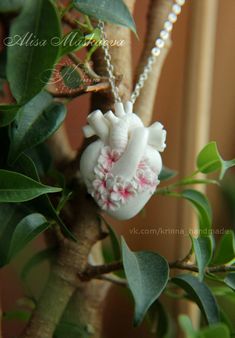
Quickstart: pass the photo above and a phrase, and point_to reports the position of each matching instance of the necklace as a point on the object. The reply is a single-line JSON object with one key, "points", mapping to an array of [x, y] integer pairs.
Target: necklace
{"points": [[121, 168]]}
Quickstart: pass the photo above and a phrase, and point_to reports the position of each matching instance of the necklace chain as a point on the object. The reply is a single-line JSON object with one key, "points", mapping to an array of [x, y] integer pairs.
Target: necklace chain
{"points": [[154, 54]]}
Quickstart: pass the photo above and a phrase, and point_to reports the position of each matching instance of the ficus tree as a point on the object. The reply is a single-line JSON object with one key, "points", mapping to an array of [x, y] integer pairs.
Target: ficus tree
{"points": [[41, 191]]}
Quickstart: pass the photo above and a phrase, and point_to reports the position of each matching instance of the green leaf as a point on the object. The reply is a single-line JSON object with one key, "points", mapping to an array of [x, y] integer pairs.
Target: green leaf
{"points": [[225, 251], [42, 158], [71, 330], [35, 122], [116, 252], [18, 315], [230, 280], [71, 77], [187, 327], [34, 63], [10, 216], [7, 114], [114, 11], [3, 64], [203, 248], [38, 258], [147, 275], [167, 174], [72, 42], [28, 229], [209, 160], [201, 294], [15, 187], [10, 5], [213, 331], [201, 203], [165, 326], [26, 166], [41, 204], [228, 189]]}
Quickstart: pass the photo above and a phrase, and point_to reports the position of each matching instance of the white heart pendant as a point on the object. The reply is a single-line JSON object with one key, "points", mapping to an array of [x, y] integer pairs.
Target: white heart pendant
{"points": [[121, 169]]}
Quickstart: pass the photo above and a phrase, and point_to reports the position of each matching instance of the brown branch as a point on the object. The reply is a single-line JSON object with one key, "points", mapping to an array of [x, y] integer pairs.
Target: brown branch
{"points": [[80, 91], [68, 18], [1, 314], [93, 271], [121, 60], [72, 259], [158, 12], [99, 270], [113, 279], [62, 293], [60, 147]]}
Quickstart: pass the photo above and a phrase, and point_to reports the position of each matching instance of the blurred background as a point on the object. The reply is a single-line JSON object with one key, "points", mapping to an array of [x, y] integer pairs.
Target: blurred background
{"points": [[196, 104]]}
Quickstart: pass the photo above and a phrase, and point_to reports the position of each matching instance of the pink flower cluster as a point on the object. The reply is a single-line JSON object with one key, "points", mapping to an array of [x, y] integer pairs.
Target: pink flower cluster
{"points": [[109, 191]]}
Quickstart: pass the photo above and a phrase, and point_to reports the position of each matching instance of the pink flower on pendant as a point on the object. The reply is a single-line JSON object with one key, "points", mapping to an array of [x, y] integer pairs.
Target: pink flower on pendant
{"points": [[99, 185], [108, 157], [107, 204], [122, 192], [145, 179], [100, 171], [143, 164]]}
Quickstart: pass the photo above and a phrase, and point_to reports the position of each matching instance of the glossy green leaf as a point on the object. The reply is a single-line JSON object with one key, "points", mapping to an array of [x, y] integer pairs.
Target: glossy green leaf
{"points": [[72, 42], [41, 157], [114, 11], [187, 326], [38, 258], [228, 189], [71, 77], [201, 294], [230, 280], [10, 216], [3, 64], [213, 331], [35, 122], [42, 203], [28, 229], [225, 251], [167, 174], [209, 160], [10, 5], [114, 240], [29, 67], [15, 187], [201, 204], [147, 274], [16, 315], [24, 165], [161, 321], [7, 114], [203, 249], [71, 330]]}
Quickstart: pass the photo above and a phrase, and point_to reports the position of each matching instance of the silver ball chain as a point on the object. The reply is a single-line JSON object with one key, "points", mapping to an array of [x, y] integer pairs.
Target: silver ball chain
{"points": [[155, 52]]}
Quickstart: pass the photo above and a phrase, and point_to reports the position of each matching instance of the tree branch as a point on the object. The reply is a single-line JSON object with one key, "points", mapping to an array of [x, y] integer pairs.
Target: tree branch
{"points": [[99, 270], [113, 279], [1, 336], [80, 91], [60, 147], [157, 14], [72, 258], [121, 60]]}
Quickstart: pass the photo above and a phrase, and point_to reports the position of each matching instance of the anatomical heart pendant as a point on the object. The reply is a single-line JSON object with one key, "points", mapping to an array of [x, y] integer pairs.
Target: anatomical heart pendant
{"points": [[121, 168]]}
